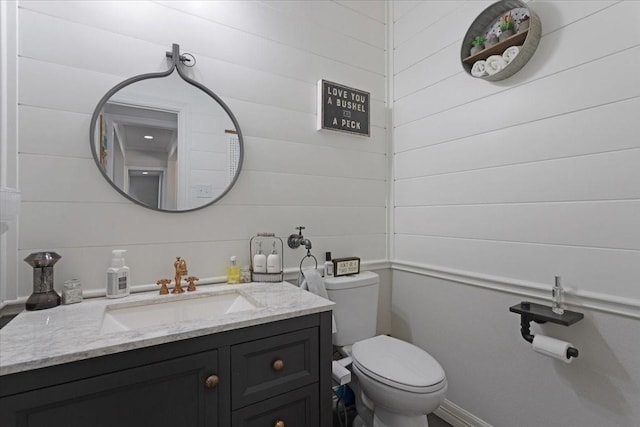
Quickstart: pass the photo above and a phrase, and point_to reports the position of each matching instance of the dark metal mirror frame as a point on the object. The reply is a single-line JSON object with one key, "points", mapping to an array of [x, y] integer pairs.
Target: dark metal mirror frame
{"points": [[177, 61]]}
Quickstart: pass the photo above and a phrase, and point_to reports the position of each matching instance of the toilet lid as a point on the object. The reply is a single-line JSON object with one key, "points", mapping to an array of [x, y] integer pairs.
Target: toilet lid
{"points": [[397, 364]]}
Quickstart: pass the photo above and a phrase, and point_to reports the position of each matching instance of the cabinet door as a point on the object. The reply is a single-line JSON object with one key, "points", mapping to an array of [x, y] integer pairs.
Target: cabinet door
{"points": [[298, 408], [266, 367], [171, 393]]}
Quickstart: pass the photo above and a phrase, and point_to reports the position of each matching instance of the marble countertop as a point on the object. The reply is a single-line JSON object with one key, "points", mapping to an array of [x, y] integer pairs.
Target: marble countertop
{"points": [[67, 333]]}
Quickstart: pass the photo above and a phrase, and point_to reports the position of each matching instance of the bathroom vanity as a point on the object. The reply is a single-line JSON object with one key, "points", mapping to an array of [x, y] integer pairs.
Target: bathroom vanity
{"points": [[269, 365]]}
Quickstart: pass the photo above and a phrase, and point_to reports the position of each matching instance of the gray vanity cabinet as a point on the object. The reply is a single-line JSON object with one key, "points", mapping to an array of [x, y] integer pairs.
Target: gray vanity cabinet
{"points": [[276, 374], [162, 393]]}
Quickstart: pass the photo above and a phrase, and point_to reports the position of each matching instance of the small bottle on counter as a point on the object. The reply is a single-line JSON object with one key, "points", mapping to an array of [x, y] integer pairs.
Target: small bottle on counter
{"points": [[233, 271], [245, 274], [72, 292], [328, 265], [118, 276]]}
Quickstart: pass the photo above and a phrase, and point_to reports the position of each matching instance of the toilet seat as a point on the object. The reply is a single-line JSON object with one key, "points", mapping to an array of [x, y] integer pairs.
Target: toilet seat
{"points": [[398, 364]]}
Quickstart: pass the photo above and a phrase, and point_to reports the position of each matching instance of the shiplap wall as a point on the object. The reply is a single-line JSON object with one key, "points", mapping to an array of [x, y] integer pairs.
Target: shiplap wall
{"points": [[520, 180], [263, 59]]}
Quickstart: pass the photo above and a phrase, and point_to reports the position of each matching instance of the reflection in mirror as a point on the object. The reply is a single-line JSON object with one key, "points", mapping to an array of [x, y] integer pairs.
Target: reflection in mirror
{"points": [[166, 144]]}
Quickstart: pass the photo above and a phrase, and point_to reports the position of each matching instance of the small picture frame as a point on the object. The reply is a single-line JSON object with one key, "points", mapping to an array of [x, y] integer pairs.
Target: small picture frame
{"points": [[346, 266]]}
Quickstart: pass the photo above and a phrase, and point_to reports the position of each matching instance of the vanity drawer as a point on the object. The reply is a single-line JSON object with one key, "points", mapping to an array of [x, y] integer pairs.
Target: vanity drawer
{"points": [[296, 409], [270, 366]]}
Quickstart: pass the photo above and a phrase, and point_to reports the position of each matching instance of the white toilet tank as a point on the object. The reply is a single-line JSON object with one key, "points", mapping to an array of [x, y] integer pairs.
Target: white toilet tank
{"points": [[356, 308]]}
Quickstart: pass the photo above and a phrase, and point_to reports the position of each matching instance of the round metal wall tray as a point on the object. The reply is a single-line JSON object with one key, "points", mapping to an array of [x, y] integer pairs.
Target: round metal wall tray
{"points": [[486, 23]]}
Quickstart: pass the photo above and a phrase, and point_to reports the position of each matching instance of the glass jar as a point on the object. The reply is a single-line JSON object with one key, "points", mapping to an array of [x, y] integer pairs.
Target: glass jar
{"points": [[245, 274], [72, 291]]}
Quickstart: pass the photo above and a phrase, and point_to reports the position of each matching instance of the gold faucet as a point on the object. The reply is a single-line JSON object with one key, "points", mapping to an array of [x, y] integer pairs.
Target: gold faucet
{"points": [[181, 269], [191, 280]]}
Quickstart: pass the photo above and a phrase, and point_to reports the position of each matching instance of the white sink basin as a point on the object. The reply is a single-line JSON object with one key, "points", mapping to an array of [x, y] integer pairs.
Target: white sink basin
{"points": [[173, 310]]}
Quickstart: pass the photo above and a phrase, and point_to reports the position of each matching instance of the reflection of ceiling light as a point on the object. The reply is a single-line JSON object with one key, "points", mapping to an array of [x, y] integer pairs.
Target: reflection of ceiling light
{"points": [[148, 137], [145, 173]]}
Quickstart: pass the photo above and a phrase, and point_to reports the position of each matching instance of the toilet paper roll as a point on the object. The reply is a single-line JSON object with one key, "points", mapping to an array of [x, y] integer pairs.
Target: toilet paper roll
{"points": [[551, 347]]}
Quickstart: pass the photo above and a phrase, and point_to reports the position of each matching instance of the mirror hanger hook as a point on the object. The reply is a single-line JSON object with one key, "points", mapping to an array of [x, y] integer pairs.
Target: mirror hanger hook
{"points": [[187, 59]]}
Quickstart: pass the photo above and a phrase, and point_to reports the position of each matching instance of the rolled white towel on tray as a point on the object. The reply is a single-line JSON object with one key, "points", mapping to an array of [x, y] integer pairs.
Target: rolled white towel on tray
{"points": [[494, 64], [478, 69], [510, 53]]}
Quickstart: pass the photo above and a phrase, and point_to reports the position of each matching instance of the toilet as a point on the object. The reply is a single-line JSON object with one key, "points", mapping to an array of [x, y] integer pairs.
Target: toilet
{"points": [[396, 384]]}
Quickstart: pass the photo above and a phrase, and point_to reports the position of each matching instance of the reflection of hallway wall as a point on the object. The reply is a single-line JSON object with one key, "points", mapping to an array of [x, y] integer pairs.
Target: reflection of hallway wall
{"points": [[119, 161], [145, 188]]}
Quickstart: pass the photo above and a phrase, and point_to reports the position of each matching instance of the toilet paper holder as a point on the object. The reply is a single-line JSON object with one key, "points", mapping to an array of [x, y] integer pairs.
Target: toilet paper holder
{"points": [[539, 313]]}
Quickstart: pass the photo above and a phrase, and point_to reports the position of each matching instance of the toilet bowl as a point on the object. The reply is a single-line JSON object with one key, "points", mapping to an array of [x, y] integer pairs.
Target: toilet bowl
{"points": [[396, 383]]}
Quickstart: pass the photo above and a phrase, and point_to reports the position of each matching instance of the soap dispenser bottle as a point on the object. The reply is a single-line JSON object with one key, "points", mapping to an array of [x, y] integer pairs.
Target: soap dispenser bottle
{"points": [[273, 261], [259, 260], [233, 271], [118, 285]]}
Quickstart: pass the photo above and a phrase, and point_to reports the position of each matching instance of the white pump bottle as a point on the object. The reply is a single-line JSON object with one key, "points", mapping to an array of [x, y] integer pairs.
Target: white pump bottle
{"points": [[118, 285]]}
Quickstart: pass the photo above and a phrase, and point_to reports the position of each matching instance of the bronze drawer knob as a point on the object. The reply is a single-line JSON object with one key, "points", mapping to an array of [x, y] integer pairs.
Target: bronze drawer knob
{"points": [[278, 366], [211, 381], [279, 423]]}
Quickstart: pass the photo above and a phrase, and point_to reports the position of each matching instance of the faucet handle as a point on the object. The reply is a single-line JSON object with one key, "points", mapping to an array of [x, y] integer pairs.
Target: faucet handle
{"points": [[191, 281], [300, 228], [163, 286]]}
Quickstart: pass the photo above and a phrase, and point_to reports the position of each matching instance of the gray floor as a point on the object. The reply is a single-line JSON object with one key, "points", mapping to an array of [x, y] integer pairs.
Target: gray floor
{"points": [[437, 422], [351, 413]]}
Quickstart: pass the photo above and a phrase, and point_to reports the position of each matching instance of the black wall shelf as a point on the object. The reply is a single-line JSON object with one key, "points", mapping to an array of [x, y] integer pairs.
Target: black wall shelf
{"points": [[541, 313]]}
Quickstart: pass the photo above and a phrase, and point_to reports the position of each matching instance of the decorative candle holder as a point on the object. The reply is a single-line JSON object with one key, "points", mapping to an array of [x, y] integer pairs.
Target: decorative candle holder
{"points": [[44, 296]]}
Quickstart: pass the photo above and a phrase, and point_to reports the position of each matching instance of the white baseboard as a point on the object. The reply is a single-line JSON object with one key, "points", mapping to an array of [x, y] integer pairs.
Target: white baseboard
{"points": [[458, 417]]}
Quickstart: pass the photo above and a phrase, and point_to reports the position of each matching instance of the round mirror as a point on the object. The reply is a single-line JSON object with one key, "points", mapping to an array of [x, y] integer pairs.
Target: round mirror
{"points": [[166, 142]]}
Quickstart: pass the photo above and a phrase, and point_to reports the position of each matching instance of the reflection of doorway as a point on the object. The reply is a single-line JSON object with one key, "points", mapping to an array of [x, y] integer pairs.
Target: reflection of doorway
{"points": [[146, 186], [149, 141]]}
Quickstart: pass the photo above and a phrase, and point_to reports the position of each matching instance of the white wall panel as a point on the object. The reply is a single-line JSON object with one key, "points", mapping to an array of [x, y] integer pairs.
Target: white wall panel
{"points": [[272, 156], [582, 268], [471, 332], [151, 262], [77, 179], [264, 121], [574, 134], [57, 132], [305, 190], [264, 68], [608, 176], [502, 186], [281, 26], [500, 103], [595, 224], [513, 107], [374, 9], [217, 223], [410, 19], [131, 21], [336, 17], [435, 37], [445, 63], [402, 8]]}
